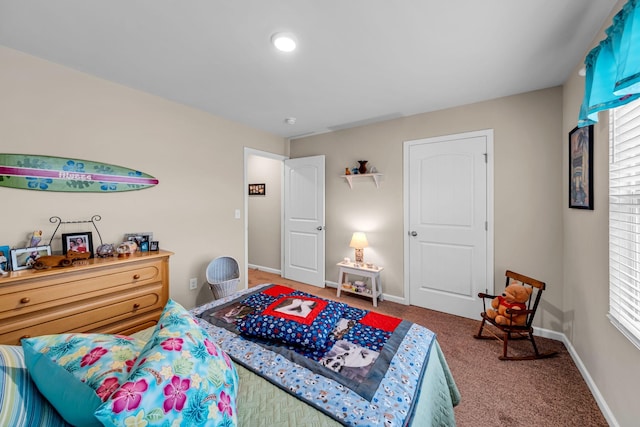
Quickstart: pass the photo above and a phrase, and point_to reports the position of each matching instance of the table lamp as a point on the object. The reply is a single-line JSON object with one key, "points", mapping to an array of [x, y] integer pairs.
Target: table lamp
{"points": [[359, 242]]}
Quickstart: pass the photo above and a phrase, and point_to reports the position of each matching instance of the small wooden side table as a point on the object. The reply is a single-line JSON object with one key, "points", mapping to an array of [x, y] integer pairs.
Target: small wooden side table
{"points": [[361, 270]]}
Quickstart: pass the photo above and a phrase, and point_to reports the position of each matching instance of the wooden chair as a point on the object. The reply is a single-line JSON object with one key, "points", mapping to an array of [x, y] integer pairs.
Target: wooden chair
{"points": [[515, 332]]}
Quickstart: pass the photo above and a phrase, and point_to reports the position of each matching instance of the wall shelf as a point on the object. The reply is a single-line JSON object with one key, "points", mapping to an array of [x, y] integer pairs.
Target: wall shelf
{"points": [[374, 176]]}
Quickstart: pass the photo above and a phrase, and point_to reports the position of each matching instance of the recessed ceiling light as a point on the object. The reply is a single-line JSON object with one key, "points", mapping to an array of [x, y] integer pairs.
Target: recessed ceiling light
{"points": [[290, 120], [285, 42]]}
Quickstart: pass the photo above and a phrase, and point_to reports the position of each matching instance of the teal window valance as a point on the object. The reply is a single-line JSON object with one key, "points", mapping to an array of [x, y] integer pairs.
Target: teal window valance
{"points": [[613, 67]]}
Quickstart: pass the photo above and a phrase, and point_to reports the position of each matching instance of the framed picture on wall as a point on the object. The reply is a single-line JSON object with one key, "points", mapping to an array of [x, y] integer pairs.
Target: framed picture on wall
{"points": [[257, 189], [581, 168], [79, 242]]}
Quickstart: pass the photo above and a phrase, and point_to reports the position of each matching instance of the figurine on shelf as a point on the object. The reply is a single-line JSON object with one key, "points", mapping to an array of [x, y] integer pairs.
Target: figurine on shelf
{"points": [[36, 236], [363, 166], [125, 249], [347, 171], [106, 250], [70, 258], [355, 171]]}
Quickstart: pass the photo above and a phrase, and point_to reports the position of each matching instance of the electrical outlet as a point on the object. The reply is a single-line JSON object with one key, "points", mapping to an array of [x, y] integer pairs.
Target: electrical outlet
{"points": [[193, 283]]}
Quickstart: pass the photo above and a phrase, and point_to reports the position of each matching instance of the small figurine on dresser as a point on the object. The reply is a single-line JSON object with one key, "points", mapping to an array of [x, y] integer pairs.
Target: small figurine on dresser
{"points": [[106, 250], [35, 238], [127, 248]]}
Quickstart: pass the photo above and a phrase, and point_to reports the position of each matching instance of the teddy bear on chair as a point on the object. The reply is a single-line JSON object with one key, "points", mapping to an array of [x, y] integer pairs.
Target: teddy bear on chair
{"points": [[514, 297]]}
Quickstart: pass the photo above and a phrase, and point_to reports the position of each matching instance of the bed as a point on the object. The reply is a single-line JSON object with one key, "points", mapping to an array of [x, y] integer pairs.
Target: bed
{"points": [[300, 375]]}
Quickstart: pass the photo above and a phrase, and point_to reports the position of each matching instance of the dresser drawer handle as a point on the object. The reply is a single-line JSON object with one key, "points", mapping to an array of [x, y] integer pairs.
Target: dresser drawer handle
{"points": [[136, 306], [136, 276], [25, 300]]}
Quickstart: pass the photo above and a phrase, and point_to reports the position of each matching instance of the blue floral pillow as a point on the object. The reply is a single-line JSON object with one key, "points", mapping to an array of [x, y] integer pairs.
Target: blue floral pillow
{"points": [[296, 318], [180, 378], [77, 372]]}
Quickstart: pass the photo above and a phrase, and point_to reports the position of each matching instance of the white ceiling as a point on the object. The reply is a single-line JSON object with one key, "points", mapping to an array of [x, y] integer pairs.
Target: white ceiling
{"points": [[358, 61]]}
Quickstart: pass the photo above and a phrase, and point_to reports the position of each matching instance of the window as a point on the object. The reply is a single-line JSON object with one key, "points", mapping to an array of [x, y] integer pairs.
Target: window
{"points": [[624, 220]]}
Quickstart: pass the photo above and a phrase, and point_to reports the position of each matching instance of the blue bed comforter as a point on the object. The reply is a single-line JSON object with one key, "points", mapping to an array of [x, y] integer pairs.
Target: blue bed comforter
{"points": [[400, 375]]}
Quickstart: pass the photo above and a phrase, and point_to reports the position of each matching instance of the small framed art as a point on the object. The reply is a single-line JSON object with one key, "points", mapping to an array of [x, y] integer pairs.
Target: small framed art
{"points": [[154, 246], [79, 242], [5, 257], [142, 240], [581, 168], [25, 257], [257, 189]]}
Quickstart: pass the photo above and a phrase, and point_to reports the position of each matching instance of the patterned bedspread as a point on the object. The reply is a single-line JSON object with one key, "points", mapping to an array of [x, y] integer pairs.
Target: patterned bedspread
{"points": [[368, 371]]}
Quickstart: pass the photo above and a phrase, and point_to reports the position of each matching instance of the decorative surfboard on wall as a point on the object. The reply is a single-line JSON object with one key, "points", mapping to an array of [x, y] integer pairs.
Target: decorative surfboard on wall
{"points": [[48, 173]]}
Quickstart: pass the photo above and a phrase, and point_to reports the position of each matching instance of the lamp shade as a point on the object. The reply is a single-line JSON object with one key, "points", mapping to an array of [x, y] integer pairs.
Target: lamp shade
{"points": [[358, 240]]}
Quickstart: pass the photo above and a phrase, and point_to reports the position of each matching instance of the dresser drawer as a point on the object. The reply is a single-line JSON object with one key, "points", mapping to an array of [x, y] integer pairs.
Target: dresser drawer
{"points": [[92, 315], [36, 296], [108, 295], [131, 325]]}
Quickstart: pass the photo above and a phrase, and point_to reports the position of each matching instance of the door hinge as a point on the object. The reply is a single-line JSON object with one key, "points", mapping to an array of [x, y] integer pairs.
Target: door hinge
{"points": [[486, 157], [486, 226]]}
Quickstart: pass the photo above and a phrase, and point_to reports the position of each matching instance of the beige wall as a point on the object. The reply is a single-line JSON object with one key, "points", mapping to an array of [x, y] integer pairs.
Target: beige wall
{"points": [[47, 109], [528, 188], [264, 213], [611, 360]]}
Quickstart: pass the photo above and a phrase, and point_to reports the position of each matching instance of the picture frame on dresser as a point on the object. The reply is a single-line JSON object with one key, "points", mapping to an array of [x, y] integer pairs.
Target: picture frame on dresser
{"points": [[5, 258], [80, 242], [142, 240], [23, 258]]}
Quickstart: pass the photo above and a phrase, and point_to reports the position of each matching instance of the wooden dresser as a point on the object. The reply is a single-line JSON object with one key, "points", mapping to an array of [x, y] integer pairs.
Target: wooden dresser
{"points": [[107, 295]]}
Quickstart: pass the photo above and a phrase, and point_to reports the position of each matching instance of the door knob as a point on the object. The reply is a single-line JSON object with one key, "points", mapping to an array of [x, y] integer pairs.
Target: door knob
{"points": [[320, 228], [413, 233]]}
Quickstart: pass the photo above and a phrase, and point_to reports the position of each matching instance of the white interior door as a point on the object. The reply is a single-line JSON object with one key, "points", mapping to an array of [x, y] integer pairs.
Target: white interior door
{"points": [[448, 222], [304, 242]]}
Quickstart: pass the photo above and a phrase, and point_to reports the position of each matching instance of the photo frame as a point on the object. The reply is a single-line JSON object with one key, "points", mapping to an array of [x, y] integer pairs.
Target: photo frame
{"points": [[142, 239], [5, 258], [81, 241], [154, 246], [257, 189], [581, 168], [24, 258]]}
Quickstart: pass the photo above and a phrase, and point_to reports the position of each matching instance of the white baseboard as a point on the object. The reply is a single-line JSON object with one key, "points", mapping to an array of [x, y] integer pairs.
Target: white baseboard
{"points": [[602, 404], [548, 333], [267, 269]]}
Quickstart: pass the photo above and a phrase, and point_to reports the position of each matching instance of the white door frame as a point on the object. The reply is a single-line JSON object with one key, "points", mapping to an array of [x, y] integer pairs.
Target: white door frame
{"points": [[249, 152], [488, 133]]}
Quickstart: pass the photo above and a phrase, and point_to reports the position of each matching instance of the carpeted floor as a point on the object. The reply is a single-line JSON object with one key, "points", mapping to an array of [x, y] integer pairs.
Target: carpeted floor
{"points": [[546, 392]]}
